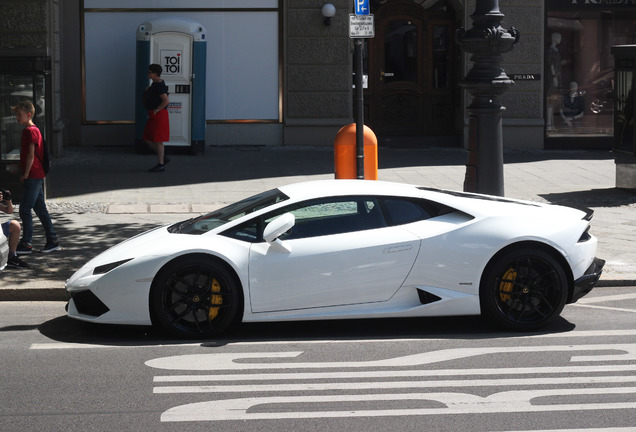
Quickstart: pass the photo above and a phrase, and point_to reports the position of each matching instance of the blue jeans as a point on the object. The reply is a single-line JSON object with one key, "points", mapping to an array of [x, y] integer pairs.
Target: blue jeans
{"points": [[33, 199]]}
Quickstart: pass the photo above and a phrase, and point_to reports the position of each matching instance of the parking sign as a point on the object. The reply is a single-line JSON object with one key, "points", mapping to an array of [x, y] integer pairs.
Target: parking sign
{"points": [[361, 7]]}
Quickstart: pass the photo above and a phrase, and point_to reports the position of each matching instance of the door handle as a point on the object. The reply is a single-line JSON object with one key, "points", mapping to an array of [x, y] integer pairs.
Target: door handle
{"points": [[400, 248]]}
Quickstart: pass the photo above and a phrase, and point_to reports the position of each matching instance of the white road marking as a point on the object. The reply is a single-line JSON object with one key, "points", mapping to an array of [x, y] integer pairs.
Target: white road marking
{"points": [[304, 405], [605, 308], [609, 298], [573, 334], [453, 403], [616, 429], [397, 373], [384, 385], [229, 361]]}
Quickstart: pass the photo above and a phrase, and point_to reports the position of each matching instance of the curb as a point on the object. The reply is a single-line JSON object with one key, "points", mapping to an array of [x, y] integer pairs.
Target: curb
{"points": [[59, 293]]}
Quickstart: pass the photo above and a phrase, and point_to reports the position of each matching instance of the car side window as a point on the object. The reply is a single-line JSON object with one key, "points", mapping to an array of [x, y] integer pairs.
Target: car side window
{"points": [[403, 211], [332, 216], [335, 216]]}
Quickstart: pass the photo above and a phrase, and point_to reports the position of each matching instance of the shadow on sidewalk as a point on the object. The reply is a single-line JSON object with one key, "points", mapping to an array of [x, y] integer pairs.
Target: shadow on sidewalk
{"points": [[86, 170], [610, 197], [78, 246]]}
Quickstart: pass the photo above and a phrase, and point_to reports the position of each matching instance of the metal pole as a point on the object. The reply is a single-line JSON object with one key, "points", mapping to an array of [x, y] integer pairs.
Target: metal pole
{"points": [[485, 82], [357, 60]]}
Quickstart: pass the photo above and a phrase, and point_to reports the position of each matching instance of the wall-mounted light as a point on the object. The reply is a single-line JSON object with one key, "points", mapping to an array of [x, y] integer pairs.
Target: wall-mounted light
{"points": [[328, 11]]}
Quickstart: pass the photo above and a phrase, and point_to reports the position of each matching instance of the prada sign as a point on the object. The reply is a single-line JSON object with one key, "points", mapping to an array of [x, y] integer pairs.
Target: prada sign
{"points": [[526, 77]]}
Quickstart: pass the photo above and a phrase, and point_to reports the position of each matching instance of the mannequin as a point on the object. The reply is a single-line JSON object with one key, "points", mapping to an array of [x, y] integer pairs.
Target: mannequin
{"points": [[555, 61]]}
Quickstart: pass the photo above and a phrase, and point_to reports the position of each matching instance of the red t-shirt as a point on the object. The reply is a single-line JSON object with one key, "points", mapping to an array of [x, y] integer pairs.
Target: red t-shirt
{"points": [[31, 134]]}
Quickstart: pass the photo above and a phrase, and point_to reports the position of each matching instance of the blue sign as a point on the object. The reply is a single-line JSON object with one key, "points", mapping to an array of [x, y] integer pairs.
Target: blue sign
{"points": [[361, 7]]}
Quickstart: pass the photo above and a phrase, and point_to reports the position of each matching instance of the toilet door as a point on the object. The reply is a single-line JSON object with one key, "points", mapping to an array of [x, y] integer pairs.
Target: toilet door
{"points": [[173, 51]]}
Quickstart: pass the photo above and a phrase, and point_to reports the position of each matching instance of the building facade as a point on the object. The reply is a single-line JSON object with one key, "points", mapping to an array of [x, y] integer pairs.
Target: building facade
{"points": [[277, 73]]}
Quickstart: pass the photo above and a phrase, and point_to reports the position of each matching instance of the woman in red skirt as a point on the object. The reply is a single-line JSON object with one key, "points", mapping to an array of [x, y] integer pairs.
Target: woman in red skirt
{"points": [[157, 130]]}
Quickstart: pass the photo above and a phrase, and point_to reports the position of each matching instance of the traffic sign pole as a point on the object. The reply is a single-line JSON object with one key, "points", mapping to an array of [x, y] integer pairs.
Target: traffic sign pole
{"points": [[360, 26], [357, 60]]}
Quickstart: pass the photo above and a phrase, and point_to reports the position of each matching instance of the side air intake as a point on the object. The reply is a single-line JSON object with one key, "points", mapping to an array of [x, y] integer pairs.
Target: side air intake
{"points": [[426, 297]]}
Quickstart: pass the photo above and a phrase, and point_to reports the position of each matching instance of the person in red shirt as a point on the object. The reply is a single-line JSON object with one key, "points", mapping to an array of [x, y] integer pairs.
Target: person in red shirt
{"points": [[31, 156]]}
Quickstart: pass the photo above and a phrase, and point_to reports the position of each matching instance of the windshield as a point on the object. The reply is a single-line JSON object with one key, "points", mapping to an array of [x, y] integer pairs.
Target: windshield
{"points": [[217, 218]]}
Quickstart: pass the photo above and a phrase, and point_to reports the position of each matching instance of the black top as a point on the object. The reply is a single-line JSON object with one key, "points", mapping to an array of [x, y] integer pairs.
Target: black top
{"points": [[152, 94]]}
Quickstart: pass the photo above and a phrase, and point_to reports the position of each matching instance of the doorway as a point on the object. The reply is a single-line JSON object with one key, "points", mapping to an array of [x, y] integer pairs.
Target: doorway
{"points": [[411, 66]]}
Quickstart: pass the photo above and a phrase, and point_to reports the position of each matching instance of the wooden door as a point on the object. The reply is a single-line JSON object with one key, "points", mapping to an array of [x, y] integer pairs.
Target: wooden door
{"points": [[411, 72]]}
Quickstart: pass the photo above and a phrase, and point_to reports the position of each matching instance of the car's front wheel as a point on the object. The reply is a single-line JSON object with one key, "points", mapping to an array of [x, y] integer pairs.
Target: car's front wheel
{"points": [[523, 289], [195, 297]]}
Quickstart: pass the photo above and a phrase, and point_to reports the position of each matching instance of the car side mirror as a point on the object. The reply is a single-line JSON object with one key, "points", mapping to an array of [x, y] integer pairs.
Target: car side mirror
{"points": [[277, 228]]}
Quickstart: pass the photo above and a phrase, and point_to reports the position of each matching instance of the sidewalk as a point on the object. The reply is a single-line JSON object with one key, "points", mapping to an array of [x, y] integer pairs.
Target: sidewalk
{"points": [[101, 196]]}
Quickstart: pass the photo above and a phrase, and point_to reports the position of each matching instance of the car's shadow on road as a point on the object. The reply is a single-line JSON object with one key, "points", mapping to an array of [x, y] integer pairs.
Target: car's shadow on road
{"points": [[67, 330]]}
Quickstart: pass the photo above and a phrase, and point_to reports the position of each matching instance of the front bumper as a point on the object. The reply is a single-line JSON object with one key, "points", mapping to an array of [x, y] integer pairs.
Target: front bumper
{"points": [[585, 283]]}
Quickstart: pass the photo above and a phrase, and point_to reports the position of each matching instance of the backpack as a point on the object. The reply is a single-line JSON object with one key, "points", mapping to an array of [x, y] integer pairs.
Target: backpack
{"points": [[46, 157]]}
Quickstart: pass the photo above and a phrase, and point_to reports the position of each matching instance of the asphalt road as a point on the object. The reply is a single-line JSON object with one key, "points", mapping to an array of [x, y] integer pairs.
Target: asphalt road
{"points": [[441, 374]]}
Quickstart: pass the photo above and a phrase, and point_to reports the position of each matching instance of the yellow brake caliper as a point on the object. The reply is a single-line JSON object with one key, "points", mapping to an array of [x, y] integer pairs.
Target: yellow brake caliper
{"points": [[507, 282], [215, 299]]}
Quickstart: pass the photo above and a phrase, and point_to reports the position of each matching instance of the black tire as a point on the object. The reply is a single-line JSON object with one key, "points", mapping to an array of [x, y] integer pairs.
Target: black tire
{"points": [[523, 289], [195, 297]]}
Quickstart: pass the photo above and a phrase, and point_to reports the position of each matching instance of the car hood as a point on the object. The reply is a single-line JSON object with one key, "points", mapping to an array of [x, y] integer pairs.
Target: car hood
{"points": [[145, 244], [161, 244]]}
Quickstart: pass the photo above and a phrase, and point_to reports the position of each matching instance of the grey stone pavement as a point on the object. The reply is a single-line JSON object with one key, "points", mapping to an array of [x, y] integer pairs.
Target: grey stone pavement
{"points": [[100, 196]]}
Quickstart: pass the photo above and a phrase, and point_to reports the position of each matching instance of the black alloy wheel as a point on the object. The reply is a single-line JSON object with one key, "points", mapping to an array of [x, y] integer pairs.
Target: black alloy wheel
{"points": [[195, 297], [523, 289]]}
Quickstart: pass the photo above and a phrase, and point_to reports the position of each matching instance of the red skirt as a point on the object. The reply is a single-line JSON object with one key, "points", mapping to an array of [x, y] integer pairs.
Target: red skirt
{"points": [[157, 126]]}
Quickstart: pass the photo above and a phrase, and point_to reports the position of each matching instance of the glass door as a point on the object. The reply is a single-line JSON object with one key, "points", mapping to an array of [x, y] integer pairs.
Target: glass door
{"points": [[13, 89]]}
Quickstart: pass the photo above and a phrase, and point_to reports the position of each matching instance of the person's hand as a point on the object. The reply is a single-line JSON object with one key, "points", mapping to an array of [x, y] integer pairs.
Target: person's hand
{"points": [[568, 121], [5, 195]]}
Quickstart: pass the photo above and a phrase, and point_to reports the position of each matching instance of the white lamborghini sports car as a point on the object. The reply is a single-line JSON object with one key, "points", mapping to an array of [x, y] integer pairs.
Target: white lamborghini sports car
{"points": [[337, 249]]}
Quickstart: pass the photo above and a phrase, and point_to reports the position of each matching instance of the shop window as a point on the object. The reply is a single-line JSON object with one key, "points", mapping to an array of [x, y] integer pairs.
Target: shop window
{"points": [[579, 74], [15, 88]]}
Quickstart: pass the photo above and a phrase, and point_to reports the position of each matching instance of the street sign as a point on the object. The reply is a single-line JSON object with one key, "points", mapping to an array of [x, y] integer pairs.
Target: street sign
{"points": [[361, 7], [361, 26]]}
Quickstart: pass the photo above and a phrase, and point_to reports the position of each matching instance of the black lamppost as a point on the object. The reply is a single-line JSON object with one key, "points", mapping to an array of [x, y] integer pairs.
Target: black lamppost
{"points": [[485, 82]]}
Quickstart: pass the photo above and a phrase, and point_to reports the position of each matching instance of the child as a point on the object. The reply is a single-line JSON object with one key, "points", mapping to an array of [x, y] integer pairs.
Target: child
{"points": [[11, 230], [31, 155]]}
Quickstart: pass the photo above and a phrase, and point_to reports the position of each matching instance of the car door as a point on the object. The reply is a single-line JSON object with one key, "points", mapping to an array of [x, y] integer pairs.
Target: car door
{"points": [[338, 254]]}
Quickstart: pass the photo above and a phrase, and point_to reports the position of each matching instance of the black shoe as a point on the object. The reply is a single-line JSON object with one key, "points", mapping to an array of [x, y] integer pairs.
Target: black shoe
{"points": [[24, 249], [50, 246], [16, 262], [158, 168]]}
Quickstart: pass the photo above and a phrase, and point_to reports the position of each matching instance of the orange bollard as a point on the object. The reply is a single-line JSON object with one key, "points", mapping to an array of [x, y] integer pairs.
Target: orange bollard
{"points": [[345, 153]]}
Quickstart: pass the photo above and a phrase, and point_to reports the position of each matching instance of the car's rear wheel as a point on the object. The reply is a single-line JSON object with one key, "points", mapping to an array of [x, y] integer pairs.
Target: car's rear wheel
{"points": [[195, 297], [523, 289]]}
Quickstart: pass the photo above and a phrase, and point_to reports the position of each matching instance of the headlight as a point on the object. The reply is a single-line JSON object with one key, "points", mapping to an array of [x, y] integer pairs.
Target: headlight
{"points": [[108, 267]]}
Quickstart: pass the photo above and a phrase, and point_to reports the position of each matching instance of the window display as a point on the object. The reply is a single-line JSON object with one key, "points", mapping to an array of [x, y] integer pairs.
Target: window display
{"points": [[579, 69], [14, 89]]}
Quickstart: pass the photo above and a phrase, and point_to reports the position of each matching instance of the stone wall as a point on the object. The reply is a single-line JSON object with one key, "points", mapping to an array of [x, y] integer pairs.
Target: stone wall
{"points": [[32, 28], [24, 26], [318, 65]]}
